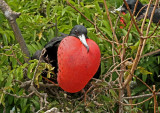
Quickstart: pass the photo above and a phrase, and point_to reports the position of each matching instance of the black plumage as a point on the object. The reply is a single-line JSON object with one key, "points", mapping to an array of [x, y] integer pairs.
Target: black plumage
{"points": [[141, 15], [51, 47]]}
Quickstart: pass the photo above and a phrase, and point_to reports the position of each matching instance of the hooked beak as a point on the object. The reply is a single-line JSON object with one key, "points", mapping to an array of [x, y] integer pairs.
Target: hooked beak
{"points": [[83, 40]]}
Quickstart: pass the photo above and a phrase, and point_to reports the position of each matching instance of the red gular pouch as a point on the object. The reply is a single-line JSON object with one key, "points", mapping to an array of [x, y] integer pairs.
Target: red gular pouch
{"points": [[76, 65], [122, 21]]}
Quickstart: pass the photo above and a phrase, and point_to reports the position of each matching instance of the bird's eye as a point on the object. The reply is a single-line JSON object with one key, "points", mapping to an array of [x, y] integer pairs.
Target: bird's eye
{"points": [[76, 31]]}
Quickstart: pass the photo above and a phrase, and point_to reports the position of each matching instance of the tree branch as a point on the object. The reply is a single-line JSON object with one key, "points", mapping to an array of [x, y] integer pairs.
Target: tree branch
{"points": [[11, 17], [141, 45], [141, 96]]}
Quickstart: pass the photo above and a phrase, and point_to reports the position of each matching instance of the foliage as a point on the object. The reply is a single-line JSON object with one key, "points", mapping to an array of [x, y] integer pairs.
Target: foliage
{"points": [[40, 21]]}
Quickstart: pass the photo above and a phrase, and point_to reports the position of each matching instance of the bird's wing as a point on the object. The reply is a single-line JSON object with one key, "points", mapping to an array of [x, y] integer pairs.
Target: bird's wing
{"points": [[50, 55], [156, 17], [53, 42]]}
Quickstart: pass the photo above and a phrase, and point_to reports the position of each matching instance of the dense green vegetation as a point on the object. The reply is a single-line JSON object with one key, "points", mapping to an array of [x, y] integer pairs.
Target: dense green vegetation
{"points": [[40, 21]]}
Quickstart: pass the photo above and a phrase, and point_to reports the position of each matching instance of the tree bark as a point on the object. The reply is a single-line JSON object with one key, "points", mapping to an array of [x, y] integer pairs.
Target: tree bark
{"points": [[11, 17]]}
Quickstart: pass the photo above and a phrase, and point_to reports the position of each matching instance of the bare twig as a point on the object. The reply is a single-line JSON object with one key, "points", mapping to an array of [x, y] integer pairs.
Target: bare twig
{"points": [[140, 48], [151, 53], [14, 95], [125, 39], [154, 89], [117, 67], [40, 59], [137, 103], [142, 96], [146, 14], [132, 18], [143, 83], [154, 30], [114, 34], [52, 110], [140, 11], [151, 18], [129, 29], [50, 81]]}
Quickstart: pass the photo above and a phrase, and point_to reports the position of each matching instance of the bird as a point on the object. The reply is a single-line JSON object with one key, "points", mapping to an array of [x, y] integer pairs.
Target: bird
{"points": [[131, 4], [76, 59]]}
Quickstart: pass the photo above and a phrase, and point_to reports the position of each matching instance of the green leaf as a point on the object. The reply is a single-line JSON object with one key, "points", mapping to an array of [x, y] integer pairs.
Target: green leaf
{"points": [[34, 35], [102, 68], [98, 8], [109, 33], [5, 40], [14, 62], [143, 71], [113, 93], [48, 10], [24, 110], [64, 10], [23, 102], [10, 99], [39, 46], [35, 46], [2, 99], [1, 77], [35, 103], [31, 70], [9, 81]]}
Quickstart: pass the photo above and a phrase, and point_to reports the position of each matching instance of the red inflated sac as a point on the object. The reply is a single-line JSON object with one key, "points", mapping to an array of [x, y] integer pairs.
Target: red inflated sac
{"points": [[122, 21], [76, 66]]}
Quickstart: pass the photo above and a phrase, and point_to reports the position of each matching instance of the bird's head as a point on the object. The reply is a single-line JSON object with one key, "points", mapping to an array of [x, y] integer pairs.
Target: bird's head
{"points": [[80, 32]]}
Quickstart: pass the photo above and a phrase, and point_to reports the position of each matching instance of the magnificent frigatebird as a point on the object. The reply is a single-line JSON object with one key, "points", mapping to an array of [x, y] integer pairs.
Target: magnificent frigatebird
{"points": [[76, 59], [141, 15]]}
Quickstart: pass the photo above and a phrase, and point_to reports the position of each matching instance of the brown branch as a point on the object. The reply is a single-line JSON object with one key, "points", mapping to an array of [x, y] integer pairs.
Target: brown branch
{"points": [[29, 85], [50, 81], [109, 18], [129, 29], [140, 48], [151, 18], [154, 89], [148, 28], [151, 53], [142, 96], [140, 11], [147, 37], [137, 103], [143, 83], [14, 95], [42, 96], [113, 30], [154, 29], [132, 18], [122, 67], [129, 93], [115, 67], [40, 59], [145, 17], [11, 17], [157, 36], [52, 110], [47, 85], [124, 50]]}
